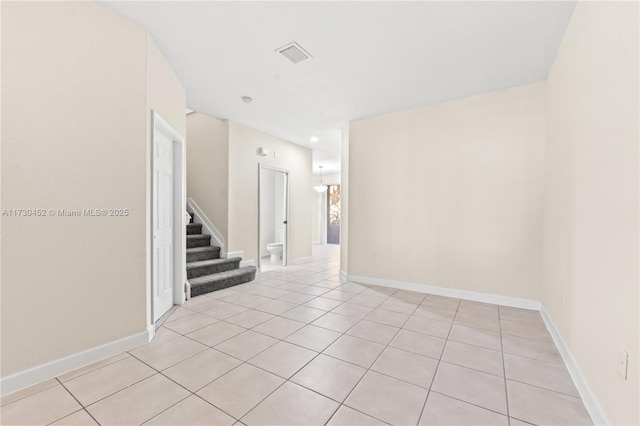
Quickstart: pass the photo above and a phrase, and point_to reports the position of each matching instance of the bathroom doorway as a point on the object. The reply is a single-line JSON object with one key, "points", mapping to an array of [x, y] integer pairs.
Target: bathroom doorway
{"points": [[273, 213]]}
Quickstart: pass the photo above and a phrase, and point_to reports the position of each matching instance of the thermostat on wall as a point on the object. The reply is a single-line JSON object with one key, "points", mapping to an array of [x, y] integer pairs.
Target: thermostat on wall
{"points": [[263, 151]]}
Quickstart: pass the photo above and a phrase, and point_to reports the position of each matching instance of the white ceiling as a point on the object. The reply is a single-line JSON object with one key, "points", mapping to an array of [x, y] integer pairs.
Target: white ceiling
{"points": [[369, 58]]}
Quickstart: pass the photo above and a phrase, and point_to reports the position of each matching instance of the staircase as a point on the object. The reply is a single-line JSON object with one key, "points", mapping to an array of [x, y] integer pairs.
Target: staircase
{"points": [[206, 272]]}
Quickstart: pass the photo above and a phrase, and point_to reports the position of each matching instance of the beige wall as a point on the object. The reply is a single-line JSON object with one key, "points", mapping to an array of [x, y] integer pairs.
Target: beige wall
{"points": [[243, 190], [208, 167], [74, 135], [165, 93], [451, 195], [591, 208]]}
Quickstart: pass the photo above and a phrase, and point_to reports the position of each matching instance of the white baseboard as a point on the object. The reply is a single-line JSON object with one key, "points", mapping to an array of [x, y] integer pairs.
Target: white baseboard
{"points": [[301, 260], [591, 404], [343, 276], [231, 254], [22, 379], [249, 262], [448, 292]]}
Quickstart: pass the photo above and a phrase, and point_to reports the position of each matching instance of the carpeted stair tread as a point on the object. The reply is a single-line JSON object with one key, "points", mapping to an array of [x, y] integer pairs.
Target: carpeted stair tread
{"points": [[209, 283], [201, 263], [198, 237], [203, 253], [203, 249], [212, 266], [198, 240], [194, 228]]}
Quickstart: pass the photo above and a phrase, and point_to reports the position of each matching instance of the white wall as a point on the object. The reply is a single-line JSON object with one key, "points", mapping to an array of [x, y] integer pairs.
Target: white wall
{"points": [[76, 94], [591, 200], [243, 190], [451, 195], [208, 168]]}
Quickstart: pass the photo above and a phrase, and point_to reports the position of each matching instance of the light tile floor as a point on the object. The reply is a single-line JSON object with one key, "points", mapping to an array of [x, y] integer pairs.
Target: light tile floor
{"points": [[297, 347]]}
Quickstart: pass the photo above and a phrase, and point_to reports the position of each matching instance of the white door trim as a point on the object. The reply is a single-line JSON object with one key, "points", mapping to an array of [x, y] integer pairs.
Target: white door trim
{"points": [[179, 207], [286, 251]]}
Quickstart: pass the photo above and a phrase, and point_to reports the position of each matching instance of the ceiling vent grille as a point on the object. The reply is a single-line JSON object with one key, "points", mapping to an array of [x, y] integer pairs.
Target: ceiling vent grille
{"points": [[294, 52]]}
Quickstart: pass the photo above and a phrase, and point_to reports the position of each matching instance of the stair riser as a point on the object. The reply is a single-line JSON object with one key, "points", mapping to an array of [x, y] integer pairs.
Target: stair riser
{"points": [[208, 255], [212, 269], [204, 288], [194, 228], [199, 242]]}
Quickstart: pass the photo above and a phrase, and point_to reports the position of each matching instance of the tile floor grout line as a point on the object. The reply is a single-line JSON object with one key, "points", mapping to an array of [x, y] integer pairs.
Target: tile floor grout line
{"points": [[504, 371], [545, 389], [318, 353], [345, 333], [301, 304], [156, 372], [496, 350], [115, 392], [342, 403], [424, 405], [169, 407], [242, 362], [375, 360], [183, 399], [78, 401], [468, 403], [28, 395], [176, 363], [71, 414], [87, 372], [182, 386]]}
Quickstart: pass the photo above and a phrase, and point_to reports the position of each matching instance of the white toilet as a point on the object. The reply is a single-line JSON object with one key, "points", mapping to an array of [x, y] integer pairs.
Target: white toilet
{"points": [[276, 248]]}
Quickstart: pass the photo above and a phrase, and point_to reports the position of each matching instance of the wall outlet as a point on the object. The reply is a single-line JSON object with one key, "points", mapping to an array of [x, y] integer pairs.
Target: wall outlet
{"points": [[372, 256], [623, 364]]}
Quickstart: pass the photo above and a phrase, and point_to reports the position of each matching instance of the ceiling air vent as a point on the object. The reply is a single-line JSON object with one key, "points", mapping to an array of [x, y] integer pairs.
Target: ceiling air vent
{"points": [[294, 52]]}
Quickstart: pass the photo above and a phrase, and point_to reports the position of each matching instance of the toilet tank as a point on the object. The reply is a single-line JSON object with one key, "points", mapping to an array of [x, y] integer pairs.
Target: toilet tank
{"points": [[280, 236]]}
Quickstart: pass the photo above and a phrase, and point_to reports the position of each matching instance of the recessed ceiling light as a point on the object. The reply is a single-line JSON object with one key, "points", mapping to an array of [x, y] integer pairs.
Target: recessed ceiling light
{"points": [[314, 139], [247, 99]]}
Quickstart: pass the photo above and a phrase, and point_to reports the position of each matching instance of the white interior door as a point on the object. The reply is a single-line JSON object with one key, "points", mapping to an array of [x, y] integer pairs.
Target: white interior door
{"points": [[163, 222]]}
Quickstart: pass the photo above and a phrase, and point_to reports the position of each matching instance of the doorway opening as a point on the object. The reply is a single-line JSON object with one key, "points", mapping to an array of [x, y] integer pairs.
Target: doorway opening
{"points": [[333, 214], [273, 227], [167, 212]]}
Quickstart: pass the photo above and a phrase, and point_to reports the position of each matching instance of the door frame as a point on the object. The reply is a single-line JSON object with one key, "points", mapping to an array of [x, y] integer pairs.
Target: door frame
{"points": [[287, 195], [158, 124]]}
